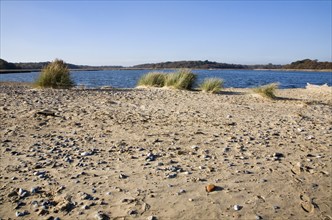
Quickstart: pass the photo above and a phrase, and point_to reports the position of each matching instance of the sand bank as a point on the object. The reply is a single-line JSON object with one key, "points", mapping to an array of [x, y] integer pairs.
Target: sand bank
{"points": [[149, 154]]}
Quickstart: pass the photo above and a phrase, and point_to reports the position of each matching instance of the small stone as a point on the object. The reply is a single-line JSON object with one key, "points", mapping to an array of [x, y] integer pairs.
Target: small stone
{"points": [[258, 217], [35, 189], [275, 207], [263, 180], [22, 193], [150, 157], [85, 196], [20, 214], [86, 154], [181, 191], [210, 187], [278, 155], [195, 147], [123, 176], [84, 207], [132, 212], [171, 175], [43, 212], [227, 149], [152, 217], [101, 216], [237, 207]]}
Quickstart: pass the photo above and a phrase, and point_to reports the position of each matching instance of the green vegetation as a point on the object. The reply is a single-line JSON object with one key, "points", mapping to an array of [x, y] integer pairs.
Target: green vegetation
{"points": [[55, 75], [183, 79], [211, 85], [199, 64], [6, 65], [152, 79], [190, 64], [267, 90], [309, 64]]}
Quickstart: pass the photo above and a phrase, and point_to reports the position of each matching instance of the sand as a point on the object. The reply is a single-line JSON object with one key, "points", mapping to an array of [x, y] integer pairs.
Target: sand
{"points": [[150, 153]]}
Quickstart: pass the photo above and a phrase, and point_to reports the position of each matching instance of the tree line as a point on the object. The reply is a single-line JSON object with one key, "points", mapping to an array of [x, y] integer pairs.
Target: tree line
{"points": [[191, 65], [300, 64], [4, 65], [309, 64]]}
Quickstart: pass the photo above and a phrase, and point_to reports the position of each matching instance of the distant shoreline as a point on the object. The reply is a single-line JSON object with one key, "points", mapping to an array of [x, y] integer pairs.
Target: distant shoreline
{"points": [[296, 70], [8, 71]]}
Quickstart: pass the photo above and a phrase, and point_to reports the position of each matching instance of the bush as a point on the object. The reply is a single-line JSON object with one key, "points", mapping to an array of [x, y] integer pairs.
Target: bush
{"points": [[267, 90], [211, 85], [55, 75], [152, 79], [183, 79]]}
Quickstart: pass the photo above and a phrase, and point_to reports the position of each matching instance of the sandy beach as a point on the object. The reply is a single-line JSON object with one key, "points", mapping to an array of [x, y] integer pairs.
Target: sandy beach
{"points": [[150, 153]]}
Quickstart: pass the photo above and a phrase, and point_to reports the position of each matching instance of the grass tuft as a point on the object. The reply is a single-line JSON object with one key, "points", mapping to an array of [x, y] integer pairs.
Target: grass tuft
{"points": [[183, 79], [152, 79], [267, 90], [55, 75], [211, 85]]}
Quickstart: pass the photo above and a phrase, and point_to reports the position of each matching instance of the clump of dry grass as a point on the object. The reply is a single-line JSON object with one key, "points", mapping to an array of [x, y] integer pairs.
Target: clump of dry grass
{"points": [[152, 79], [183, 79], [55, 75], [211, 85], [267, 91]]}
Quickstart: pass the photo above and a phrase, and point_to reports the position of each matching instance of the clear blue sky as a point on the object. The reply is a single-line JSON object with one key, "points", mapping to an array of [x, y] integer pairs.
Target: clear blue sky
{"points": [[134, 32]]}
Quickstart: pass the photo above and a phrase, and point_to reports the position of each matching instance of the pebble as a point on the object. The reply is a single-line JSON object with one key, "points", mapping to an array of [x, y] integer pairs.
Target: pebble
{"points": [[35, 189], [151, 218], [101, 216], [275, 207], [210, 187], [227, 149], [22, 193], [20, 214], [86, 154], [133, 212], [237, 207], [150, 157], [123, 176], [85, 207], [278, 155], [171, 175], [181, 191], [258, 217]]}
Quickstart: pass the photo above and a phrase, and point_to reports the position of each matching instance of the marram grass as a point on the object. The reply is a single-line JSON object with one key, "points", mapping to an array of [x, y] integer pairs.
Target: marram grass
{"points": [[55, 75], [152, 79], [183, 79], [211, 85], [267, 91]]}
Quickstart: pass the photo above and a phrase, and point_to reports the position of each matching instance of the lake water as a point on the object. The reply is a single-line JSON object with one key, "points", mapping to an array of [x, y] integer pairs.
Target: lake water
{"points": [[232, 78]]}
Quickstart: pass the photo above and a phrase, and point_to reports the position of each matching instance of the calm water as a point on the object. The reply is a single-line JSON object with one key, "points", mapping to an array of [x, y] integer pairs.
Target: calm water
{"points": [[232, 78]]}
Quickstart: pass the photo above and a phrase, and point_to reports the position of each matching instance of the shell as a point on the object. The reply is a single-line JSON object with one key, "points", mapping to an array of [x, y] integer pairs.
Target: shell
{"points": [[210, 188]]}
